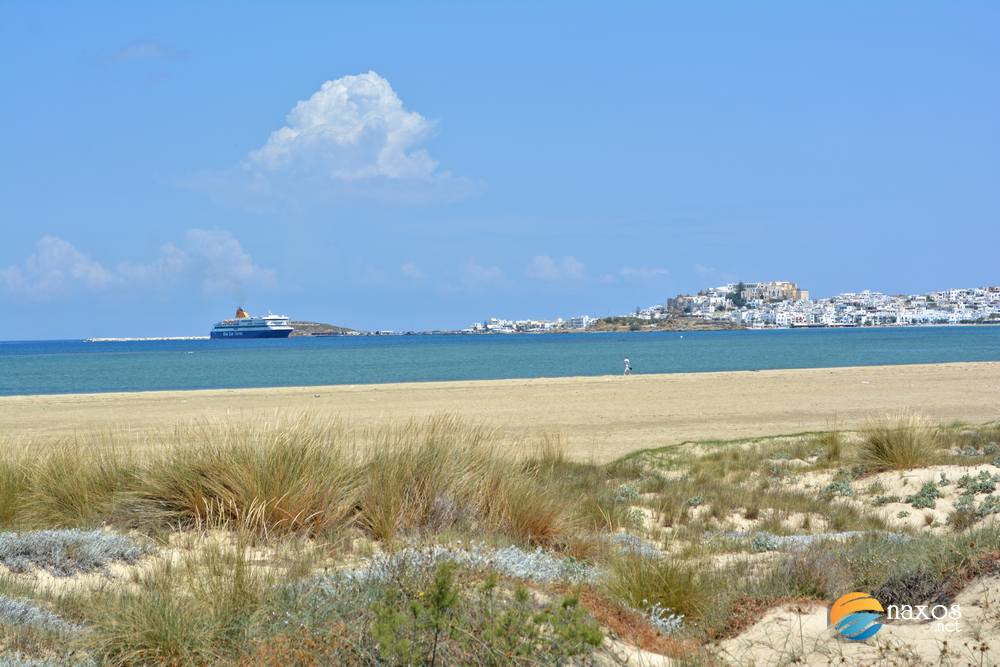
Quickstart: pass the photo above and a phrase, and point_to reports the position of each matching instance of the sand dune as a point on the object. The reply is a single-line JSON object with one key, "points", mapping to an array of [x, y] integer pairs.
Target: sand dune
{"points": [[602, 417]]}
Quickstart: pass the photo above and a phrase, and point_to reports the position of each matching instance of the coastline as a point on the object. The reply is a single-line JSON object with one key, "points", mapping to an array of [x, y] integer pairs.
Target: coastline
{"points": [[601, 417], [687, 328]]}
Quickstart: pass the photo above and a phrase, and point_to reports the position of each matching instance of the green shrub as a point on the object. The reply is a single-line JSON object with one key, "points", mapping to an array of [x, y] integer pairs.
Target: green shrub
{"points": [[984, 482], [840, 487], [913, 587], [926, 497], [415, 616]]}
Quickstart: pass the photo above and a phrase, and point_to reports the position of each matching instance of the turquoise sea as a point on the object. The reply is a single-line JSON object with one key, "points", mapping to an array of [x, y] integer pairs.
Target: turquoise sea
{"points": [[57, 367]]}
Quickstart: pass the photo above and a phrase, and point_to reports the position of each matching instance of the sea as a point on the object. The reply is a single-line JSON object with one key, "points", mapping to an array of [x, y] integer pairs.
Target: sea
{"points": [[76, 366]]}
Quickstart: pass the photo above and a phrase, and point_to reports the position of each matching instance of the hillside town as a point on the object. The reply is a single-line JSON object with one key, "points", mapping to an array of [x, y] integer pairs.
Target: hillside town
{"points": [[495, 325], [782, 304]]}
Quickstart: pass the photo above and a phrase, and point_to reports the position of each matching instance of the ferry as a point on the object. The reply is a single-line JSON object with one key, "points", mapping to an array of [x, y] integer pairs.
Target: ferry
{"points": [[246, 326]]}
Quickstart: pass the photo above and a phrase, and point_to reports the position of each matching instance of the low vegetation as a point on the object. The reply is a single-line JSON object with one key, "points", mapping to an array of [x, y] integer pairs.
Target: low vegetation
{"points": [[897, 442], [296, 477], [440, 542]]}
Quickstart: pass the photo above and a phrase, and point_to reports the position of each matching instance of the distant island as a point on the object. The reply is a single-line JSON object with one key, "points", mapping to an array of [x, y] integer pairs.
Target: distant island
{"points": [[321, 329]]}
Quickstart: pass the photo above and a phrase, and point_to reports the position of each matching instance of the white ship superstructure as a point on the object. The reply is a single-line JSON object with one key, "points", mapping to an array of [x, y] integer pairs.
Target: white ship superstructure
{"points": [[244, 325]]}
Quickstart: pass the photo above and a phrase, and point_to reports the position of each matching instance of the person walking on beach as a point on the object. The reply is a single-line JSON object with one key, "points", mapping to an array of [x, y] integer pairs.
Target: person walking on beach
{"points": [[628, 367]]}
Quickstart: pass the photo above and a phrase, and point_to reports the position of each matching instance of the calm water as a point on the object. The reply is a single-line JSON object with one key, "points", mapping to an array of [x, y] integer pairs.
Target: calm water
{"points": [[52, 367]]}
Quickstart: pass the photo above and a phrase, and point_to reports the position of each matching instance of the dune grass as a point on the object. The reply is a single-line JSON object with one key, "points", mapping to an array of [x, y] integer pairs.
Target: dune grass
{"points": [[898, 441], [295, 476], [197, 611], [288, 477], [61, 490], [12, 483], [643, 582]]}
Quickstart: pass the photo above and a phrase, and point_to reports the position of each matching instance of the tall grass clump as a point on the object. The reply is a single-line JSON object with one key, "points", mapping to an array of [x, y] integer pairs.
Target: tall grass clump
{"points": [[643, 582], [523, 507], [424, 476], [897, 442], [832, 442], [442, 473], [196, 611], [12, 487], [298, 475], [294, 476], [75, 483]]}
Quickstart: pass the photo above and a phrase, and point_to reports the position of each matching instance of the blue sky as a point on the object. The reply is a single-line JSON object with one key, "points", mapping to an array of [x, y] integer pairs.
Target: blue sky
{"points": [[420, 165]]}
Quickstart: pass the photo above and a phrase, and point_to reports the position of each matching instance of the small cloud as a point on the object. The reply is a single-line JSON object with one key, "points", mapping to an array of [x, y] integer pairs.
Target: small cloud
{"points": [[543, 267], [172, 262], [55, 267], [411, 271], [215, 259], [473, 272], [147, 49], [224, 265], [711, 273], [643, 273], [370, 276]]}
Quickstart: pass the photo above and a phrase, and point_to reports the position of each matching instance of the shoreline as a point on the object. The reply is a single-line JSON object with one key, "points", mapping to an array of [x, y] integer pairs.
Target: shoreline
{"points": [[498, 381], [459, 332], [601, 417]]}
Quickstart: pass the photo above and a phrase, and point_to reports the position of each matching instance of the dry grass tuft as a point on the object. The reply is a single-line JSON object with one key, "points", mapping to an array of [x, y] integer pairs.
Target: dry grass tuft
{"points": [[195, 611], [297, 475], [12, 488], [293, 476], [897, 442], [424, 475], [63, 491], [642, 582], [442, 473]]}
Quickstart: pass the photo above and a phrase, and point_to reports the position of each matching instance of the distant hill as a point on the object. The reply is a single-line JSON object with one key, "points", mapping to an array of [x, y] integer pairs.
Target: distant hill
{"points": [[319, 329]]}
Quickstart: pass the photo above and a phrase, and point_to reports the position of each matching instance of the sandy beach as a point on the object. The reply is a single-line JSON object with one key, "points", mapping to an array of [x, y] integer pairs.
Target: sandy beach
{"points": [[601, 417]]}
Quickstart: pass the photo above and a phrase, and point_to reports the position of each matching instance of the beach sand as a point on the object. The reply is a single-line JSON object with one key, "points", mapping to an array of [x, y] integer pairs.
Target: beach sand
{"points": [[601, 418]]}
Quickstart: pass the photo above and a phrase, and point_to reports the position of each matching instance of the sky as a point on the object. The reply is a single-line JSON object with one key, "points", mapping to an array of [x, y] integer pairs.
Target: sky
{"points": [[409, 166]]}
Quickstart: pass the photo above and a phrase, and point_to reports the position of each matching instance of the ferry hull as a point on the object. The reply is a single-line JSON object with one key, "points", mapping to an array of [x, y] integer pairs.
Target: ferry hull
{"points": [[263, 333]]}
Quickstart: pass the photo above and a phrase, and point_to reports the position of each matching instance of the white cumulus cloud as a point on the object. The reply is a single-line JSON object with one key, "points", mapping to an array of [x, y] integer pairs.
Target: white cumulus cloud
{"points": [[171, 262], [474, 272], [55, 266], [215, 260], [352, 139], [222, 263], [352, 128], [543, 267]]}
